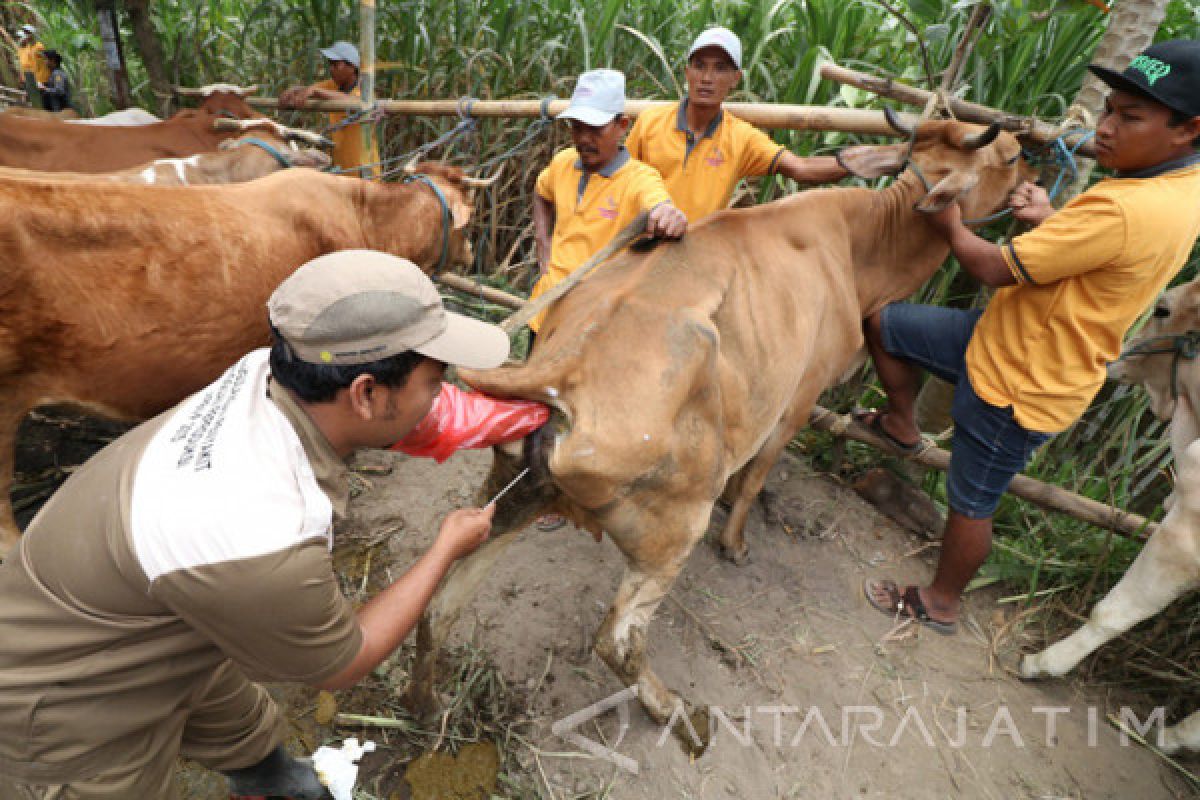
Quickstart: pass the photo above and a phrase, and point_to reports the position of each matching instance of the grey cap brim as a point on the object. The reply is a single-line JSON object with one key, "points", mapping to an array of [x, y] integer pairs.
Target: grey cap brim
{"points": [[467, 342], [589, 116]]}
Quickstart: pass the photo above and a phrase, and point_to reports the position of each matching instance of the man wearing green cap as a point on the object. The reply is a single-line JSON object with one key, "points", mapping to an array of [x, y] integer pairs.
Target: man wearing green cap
{"points": [[191, 557], [1029, 364]]}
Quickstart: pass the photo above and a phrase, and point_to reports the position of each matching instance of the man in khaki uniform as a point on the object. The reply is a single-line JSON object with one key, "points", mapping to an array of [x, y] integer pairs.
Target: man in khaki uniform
{"points": [[192, 556]]}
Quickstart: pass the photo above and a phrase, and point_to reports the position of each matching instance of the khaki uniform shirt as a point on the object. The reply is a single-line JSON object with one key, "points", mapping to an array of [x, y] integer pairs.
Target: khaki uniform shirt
{"points": [[199, 537]]}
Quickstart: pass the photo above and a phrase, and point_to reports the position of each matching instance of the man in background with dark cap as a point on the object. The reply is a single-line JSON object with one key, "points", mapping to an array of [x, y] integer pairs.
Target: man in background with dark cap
{"points": [[191, 556], [349, 152], [1029, 364]]}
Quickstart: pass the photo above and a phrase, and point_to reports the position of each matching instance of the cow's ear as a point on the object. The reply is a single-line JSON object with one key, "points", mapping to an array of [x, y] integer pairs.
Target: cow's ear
{"points": [[461, 212], [873, 161], [947, 190]]}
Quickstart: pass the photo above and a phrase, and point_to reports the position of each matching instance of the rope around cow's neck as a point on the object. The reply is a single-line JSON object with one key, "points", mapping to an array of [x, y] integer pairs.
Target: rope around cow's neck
{"points": [[441, 198], [1182, 346], [267, 148]]}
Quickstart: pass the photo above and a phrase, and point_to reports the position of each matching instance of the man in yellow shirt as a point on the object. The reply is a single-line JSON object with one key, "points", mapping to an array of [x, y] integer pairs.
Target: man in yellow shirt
{"points": [[591, 191], [1029, 364], [701, 151], [349, 153], [34, 69]]}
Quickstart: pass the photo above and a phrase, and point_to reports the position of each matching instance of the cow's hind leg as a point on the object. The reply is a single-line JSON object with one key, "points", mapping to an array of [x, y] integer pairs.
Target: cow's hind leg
{"points": [[1168, 566], [621, 639], [749, 480], [1184, 736]]}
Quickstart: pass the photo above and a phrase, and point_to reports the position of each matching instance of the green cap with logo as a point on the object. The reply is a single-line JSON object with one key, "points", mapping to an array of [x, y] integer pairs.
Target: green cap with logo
{"points": [[1168, 72]]}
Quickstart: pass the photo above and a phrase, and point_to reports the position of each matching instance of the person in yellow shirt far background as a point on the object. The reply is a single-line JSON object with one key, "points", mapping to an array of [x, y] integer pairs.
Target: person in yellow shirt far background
{"points": [[1029, 364], [34, 69], [349, 153], [701, 151]]}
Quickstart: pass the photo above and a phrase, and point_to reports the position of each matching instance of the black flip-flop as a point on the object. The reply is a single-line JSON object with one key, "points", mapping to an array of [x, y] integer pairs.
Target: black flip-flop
{"points": [[905, 604], [872, 420]]}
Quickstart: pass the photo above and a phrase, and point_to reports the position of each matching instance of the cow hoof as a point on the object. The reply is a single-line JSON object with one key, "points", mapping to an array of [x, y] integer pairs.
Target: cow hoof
{"points": [[694, 732], [421, 700], [1028, 669], [739, 558]]}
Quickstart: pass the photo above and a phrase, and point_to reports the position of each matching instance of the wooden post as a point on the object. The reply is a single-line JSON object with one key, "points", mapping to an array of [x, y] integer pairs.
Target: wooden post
{"points": [[366, 74], [114, 57]]}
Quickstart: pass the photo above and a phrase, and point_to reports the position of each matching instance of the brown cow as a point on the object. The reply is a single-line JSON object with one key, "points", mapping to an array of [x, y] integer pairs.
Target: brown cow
{"points": [[53, 146], [235, 161], [37, 113], [682, 373], [1163, 359], [123, 299]]}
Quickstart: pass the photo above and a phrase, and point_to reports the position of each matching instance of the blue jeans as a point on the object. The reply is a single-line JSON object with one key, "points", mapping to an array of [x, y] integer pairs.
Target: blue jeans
{"points": [[989, 447]]}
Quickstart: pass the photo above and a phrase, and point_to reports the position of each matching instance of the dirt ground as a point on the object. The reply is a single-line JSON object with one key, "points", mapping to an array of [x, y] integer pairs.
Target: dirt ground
{"points": [[823, 697]]}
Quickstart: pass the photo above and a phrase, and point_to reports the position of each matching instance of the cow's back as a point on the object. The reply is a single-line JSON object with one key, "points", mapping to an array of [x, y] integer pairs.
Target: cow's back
{"points": [[54, 146]]}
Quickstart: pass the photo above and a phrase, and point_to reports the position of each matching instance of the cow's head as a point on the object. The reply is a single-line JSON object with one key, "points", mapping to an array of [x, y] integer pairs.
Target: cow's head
{"points": [[1159, 355], [226, 100], [976, 166], [456, 188]]}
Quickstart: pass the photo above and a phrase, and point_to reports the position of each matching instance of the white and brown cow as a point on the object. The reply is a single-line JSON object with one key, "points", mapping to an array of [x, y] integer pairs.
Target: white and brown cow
{"points": [[1163, 359], [682, 373]]}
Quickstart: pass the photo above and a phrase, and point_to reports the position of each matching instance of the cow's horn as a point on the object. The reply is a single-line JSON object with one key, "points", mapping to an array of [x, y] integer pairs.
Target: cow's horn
{"points": [[893, 119], [482, 183], [308, 137], [227, 124], [975, 141]]}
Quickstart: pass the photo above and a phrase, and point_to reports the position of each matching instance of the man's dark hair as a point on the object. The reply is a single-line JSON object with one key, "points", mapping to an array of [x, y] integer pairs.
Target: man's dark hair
{"points": [[1180, 118], [319, 383]]}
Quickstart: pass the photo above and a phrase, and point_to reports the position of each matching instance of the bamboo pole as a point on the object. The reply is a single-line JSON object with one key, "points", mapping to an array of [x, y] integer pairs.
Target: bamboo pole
{"points": [[366, 75], [764, 115], [468, 286], [1034, 128], [1044, 495]]}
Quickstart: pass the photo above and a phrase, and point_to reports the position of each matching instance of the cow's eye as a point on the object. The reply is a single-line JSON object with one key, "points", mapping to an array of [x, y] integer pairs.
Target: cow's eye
{"points": [[1161, 311]]}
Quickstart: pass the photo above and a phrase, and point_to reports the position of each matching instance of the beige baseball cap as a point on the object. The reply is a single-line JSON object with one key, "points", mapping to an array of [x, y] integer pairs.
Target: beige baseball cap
{"points": [[358, 306]]}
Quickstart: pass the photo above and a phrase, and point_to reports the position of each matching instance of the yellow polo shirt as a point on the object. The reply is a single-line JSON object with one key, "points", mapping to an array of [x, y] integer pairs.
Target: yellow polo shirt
{"points": [[590, 209], [701, 173], [348, 150], [1083, 277], [30, 57]]}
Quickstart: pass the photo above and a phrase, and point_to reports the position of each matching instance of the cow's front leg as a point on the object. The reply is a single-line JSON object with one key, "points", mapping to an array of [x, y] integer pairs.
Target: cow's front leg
{"points": [[1168, 566], [1184, 736], [621, 644]]}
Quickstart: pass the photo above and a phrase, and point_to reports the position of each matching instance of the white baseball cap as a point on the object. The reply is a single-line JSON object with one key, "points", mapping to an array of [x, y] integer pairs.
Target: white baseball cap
{"points": [[598, 97], [723, 38], [342, 51]]}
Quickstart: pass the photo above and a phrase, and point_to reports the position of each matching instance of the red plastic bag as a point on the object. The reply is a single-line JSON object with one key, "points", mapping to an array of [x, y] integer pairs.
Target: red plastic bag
{"points": [[460, 420]]}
